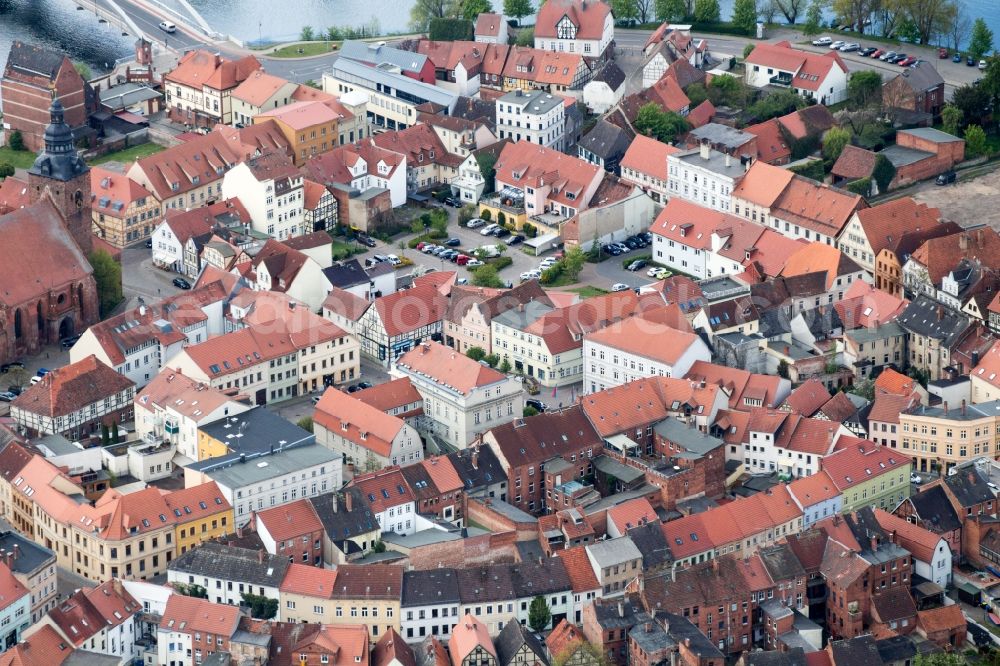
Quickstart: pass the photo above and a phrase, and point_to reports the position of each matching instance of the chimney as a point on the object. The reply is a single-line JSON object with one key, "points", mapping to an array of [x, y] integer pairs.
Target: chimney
{"points": [[963, 406], [729, 160], [940, 313], [715, 564], [648, 627], [260, 556], [706, 150], [687, 642], [335, 502], [348, 501], [17, 551], [621, 609], [239, 532], [946, 408], [892, 536], [142, 307]]}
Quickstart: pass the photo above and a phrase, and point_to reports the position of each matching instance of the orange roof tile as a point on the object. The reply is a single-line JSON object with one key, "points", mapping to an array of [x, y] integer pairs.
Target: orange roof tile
{"points": [[200, 68], [384, 488], [588, 17], [72, 388], [864, 306], [813, 489], [258, 88], [887, 222], [645, 401], [856, 464], [352, 419], [11, 589], [804, 64], [444, 366], [988, 369], [819, 257], [111, 193], [896, 383], [190, 614], [564, 639], [808, 397], [645, 337], [771, 144], [525, 164], [196, 502], [392, 395], [648, 156], [309, 581], [821, 208], [410, 309], [632, 513], [45, 647], [578, 568], [289, 521], [13, 194], [941, 255], [443, 473], [469, 633], [488, 24], [854, 163], [920, 542], [688, 223]]}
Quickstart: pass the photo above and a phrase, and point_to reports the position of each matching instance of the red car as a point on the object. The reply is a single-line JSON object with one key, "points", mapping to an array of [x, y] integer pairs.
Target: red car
{"points": [[877, 53], [906, 62], [420, 246]]}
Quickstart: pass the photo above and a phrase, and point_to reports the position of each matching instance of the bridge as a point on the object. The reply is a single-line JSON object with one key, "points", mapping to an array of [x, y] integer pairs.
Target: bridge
{"points": [[142, 18]]}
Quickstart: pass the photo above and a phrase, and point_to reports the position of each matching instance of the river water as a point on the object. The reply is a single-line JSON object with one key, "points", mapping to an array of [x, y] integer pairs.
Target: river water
{"points": [[58, 24]]}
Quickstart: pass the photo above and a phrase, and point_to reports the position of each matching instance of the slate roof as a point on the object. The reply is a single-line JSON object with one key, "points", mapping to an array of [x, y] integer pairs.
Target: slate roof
{"points": [[928, 318], [486, 471], [682, 631], [969, 487], [607, 141], [216, 560], [894, 604], [512, 638], [339, 523], [610, 74], [935, 510], [426, 587], [860, 651], [794, 657], [538, 438]]}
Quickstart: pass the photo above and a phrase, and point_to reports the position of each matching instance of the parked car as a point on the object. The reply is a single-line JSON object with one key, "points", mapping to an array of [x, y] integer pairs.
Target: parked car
{"points": [[394, 260], [489, 229], [315, 398], [942, 53], [822, 41], [982, 65], [620, 286], [454, 242], [501, 232], [917, 63], [906, 62], [353, 388], [364, 385], [7, 367], [631, 243], [946, 178], [636, 265], [7, 396], [69, 341], [421, 245], [530, 275], [42, 372], [623, 247], [519, 238], [850, 46], [877, 53], [472, 263], [866, 52], [613, 250], [653, 271], [898, 57], [462, 259], [647, 236], [181, 283], [15, 389], [970, 62], [547, 262], [475, 223], [453, 202], [916, 479], [888, 54], [836, 45], [535, 404], [461, 280]]}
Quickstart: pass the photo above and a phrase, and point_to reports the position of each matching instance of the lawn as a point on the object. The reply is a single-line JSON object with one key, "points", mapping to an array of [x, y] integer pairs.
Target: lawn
{"points": [[303, 49], [19, 159], [129, 155], [589, 291], [342, 250]]}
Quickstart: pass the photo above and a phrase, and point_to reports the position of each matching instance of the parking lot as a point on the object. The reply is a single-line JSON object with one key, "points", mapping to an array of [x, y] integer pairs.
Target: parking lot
{"points": [[969, 202]]}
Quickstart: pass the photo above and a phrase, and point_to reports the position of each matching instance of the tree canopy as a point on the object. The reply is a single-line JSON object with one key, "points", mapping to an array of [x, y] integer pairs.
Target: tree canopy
{"points": [[706, 11], [745, 16], [108, 275], [662, 125], [834, 142], [864, 88], [517, 8], [981, 42], [473, 8], [539, 614]]}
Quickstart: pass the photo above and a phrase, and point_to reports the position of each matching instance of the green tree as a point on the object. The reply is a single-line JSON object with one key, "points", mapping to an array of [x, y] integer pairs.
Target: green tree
{"points": [[379, 547], [572, 262], [476, 353], [114, 432], [306, 423], [517, 9], [449, 29], [777, 103], [487, 167], [6, 170], [486, 215], [790, 8], [991, 81], [504, 366], [492, 360], [975, 141], [15, 376], [16, 140], [864, 388], [191, 590], [747, 50], [307, 34], [981, 41], [525, 37], [625, 10], [108, 275], [745, 16], [864, 88], [473, 8], [595, 654], [814, 18], [660, 124], [939, 659], [727, 90], [973, 101], [105, 434], [951, 119], [834, 142], [486, 276], [706, 11], [539, 614], [424, 10], [83, 69], [783, 369], [261, 607], [529, 411], [883, 172], [671, 10]]}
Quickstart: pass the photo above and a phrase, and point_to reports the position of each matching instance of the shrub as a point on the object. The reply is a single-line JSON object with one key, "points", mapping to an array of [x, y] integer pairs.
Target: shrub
{"points": [[812, 169], [6, 170], [487, 215], [862, 186], [450, 29], [883, 173], [501, 218], [529, 230], [499, 263], [16, 141]]}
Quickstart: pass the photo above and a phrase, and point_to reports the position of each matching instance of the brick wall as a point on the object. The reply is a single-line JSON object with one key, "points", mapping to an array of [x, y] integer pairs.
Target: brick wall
{"points": [[946, 155], [482, 549], [480, 512], [703, 477], [26, 106]]}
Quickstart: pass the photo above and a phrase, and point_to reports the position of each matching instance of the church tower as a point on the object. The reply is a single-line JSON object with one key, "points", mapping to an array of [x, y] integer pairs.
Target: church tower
{"points": [[64, 174]]}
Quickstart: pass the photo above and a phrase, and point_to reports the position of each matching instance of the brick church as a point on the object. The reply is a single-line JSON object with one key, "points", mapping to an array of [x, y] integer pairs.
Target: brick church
{"points": [[47, 287]]}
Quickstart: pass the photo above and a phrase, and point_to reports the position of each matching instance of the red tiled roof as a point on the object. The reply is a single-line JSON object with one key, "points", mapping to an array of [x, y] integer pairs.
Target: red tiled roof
{"points": [[920, 542], [345, 304], [488, 24], [644, 401], [688, 223], [807, 398], [289, 521], [72, 388], [632, 513], [445, 366], [813, 489], [587, 16], [356, 421], [443, 473], [854, 163], [562, 329], [411, 309], [941, 255], [468, 634], [199, 615], [644, 337], [943, 618], [308, 580], [896, 383], [111, 193], [864, 306], [258, 88], [384, 488], [45, 647], [803, 64], [196, 502], [564, 639], [816, 206], [202, 69], [648, 156], [888, 221], [525, 164], [763, 184], [852, 465], [300, 116], [988, 369], [13, 194], [537, 438], [771, 144], [701, 115], [390, 395], [189, 165], [578, 568]]}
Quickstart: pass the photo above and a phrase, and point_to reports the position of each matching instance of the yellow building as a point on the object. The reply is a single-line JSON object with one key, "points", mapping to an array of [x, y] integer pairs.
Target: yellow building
{"points": [[124, 212], [306, 595], [938, 438], [202, 513], [368, 594]]}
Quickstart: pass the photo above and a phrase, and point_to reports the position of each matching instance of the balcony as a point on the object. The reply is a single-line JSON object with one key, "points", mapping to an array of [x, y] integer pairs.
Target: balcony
{"points": [[508, 200], [782, 79], [171, 427]]}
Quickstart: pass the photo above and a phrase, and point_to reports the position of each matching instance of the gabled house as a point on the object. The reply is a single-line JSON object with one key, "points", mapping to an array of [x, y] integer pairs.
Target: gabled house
{"points": [[822, 77], [199, 89], [362, 433], [490, 28], [871, 230], [576, 26]]}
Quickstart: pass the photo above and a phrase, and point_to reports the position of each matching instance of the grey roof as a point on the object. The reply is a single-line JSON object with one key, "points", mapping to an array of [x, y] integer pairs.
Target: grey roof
{"points": [[30, 556], [510, 511], [610, 552], [716, 163], [519, 319], [59, 160], [607, 141], [922, 318], [232, 473], [88, 658], [374, 54], [616, 469], [485, 472], [485, 583], [512, 638], [127, 94], [969, 486], [546, 576], [256, 430], [612, 75], [718, 134], [651, 542], [426, 537], [369, 78], [622, 613], [651, 637], [338, 522], [692, 439], [921, 78], [535, 102], [860, 651], [781, 562], [216, 560], [901, 156], [794, 657], [871, 334], [57, 444], [896, 648], [776, 608], [34, 60], [346, 274], [931, 134], [681, 630], [935, 510], [429, 587]]}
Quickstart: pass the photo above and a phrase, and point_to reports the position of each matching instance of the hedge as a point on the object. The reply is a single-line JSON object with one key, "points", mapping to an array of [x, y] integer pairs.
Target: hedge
{"points": [[431, 235], [450, 30], [862, 186], [499, 263], [812, 169]]}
